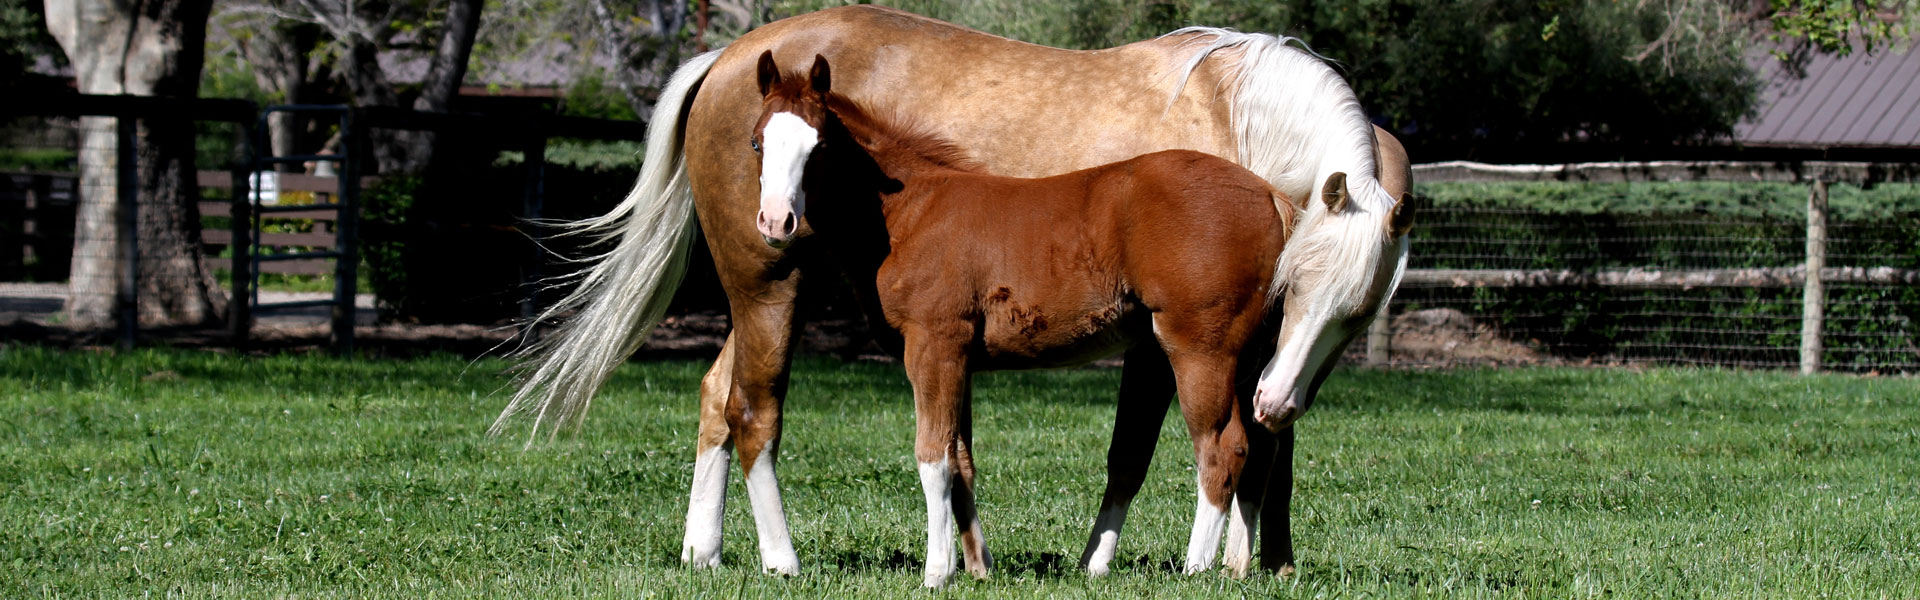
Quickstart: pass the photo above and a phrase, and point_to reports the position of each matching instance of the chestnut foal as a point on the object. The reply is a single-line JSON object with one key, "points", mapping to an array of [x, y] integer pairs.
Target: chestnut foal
{"points": [[1170, 254]]}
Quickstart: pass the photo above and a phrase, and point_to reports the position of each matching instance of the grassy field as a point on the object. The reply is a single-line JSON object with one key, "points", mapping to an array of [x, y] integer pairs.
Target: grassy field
{"points": [[205, 475]]}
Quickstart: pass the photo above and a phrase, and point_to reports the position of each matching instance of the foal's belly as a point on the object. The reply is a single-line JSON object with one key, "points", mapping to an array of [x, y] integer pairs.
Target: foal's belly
{"points": [[1026, 336]]}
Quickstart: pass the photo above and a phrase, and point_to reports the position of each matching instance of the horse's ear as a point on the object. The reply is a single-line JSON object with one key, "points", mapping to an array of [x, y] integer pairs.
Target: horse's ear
{"points": [[1335, 192], [822, 75], [1401, 221], [769, 72]]}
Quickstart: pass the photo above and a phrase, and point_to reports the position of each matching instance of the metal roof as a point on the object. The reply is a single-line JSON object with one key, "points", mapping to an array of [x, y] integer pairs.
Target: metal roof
{"points": [[1862, 100]]}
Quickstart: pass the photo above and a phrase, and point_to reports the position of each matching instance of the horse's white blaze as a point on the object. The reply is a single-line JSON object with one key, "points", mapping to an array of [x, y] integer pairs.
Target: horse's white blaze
{"points": [[1106, 538], [936, 479], [1205, 541], [785, 144], [763, 492], [701, 547]]}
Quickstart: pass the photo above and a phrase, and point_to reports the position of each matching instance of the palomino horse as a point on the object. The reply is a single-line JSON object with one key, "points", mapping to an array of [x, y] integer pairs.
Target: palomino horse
{"points": [[1020, 110], [1172, 250]]}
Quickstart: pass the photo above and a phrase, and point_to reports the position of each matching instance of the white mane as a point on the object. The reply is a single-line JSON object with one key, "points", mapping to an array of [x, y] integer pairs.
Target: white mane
{"points": [[1298, 123], [1297, 120]]}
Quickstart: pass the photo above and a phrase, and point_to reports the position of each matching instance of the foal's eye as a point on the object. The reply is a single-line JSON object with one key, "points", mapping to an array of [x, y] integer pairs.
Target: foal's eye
{"points": [[755, 143]]}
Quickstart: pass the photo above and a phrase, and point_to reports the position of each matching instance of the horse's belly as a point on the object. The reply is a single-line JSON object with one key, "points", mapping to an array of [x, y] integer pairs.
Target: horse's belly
{"points": [[1027, 337]]}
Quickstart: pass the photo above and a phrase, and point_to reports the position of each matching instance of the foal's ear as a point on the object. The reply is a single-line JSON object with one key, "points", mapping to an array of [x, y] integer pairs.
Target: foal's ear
{"points": [[1401, 220], [1334, 192], [769, 72], [822, 76]]}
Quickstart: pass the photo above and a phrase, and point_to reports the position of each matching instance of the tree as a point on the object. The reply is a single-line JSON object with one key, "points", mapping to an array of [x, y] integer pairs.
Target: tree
{"points": [[149, 48], [297, 45]]}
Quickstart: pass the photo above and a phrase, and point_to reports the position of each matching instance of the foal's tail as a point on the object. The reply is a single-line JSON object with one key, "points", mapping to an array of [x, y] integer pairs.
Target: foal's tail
{"points": [[626, 291]]}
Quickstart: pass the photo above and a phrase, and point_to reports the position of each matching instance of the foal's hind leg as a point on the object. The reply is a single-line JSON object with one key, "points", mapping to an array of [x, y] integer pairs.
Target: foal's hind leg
{"points": [[1252, 488], [1146, 387], [1204, 358]]}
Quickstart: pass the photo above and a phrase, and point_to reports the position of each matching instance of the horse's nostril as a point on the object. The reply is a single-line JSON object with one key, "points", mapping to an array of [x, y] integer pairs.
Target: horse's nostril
{"points": [[791, 224]]}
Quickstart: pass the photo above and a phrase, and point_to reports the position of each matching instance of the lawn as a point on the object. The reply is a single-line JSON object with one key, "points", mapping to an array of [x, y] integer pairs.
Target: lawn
{"points": [[206, 475]]}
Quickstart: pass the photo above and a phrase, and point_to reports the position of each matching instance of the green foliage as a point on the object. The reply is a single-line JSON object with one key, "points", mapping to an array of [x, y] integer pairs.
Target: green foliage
{"points": [[593, 96], [23, 36], [203, 474], [1835, 26], [42, 160], [386, 208]]}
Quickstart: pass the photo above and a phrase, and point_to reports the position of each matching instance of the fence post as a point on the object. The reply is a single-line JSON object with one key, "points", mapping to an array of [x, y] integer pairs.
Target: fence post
{"points": [[240, 305], [346, 268], [1380, 337], [127, 171], [1813, 309]]}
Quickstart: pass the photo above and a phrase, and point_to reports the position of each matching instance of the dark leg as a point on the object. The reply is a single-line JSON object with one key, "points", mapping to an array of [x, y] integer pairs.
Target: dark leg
{"points": [[1146, 387]]}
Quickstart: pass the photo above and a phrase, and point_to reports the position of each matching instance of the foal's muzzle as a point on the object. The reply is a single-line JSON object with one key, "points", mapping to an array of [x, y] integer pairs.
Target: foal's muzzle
{"points": [[776, 230]]}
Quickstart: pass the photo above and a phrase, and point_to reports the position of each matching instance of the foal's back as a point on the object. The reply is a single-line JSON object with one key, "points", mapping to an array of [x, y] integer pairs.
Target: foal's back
{"points": [[1052, 271]]}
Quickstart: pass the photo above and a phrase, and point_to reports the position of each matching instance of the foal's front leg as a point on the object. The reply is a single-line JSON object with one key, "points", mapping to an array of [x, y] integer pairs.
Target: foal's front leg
{"points": [[936, 365]]}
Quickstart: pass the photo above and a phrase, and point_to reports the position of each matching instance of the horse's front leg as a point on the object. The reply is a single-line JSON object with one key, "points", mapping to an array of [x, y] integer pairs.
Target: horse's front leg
{"points": [[936, 364], [1146, 387], [757, 358]]}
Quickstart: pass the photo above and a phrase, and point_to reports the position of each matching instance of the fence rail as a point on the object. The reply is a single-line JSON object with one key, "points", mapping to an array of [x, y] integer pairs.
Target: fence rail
{"points": [[1870, 303]]}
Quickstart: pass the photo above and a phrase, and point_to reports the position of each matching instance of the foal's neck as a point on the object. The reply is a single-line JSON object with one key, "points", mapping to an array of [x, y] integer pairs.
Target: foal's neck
{"points": [[903, 150]]}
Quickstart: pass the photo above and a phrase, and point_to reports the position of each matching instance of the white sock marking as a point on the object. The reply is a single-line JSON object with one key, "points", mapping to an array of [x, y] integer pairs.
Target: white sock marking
{"points": [[763, 492], [1106, 538], [936, 479], [1207, 520], [705, 505], [1239, 553]]}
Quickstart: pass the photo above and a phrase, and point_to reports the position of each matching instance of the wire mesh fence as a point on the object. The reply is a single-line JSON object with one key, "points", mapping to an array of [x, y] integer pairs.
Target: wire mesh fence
{"points": [[1684, 272]]}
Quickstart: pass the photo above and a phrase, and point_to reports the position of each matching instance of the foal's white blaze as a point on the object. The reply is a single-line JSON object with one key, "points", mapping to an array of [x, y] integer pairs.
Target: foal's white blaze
{"points": [[1205, 541], [701, 548], [1106, 538], [763, 492], [786, 142], [936, 479]]}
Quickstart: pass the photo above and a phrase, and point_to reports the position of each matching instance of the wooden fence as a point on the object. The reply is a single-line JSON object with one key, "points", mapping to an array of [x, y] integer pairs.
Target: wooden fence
{"points": [[1812, 275]]}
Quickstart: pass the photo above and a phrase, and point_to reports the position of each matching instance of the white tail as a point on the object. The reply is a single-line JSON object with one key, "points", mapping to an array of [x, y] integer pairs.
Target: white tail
{"points": [[626, 291]]}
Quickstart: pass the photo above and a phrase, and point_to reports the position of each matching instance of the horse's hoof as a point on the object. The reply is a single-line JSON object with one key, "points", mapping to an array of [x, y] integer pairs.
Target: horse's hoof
{"points": [[782, 570], [1285, 571], [699, 560], [935, 581]]}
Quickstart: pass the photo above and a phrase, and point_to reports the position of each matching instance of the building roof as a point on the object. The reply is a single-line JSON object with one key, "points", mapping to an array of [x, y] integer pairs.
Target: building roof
{"points": [[1858, 101]]}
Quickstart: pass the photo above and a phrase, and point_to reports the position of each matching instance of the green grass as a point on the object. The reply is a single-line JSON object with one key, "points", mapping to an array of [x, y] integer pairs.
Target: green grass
{"points": [[206, 475]]}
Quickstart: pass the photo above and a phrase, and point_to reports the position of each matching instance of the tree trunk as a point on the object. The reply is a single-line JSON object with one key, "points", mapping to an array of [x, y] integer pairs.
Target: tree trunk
{"points": [[445, 73], [144, 48]]}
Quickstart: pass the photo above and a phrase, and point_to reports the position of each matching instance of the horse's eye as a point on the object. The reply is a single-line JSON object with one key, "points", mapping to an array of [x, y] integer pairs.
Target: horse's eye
{"points": [[755, 143]]}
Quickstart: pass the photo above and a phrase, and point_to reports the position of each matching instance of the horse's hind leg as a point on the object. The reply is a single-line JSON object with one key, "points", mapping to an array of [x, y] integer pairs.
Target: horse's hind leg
{"points": [[937, 367], [713, 448], [1146, 387]]}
